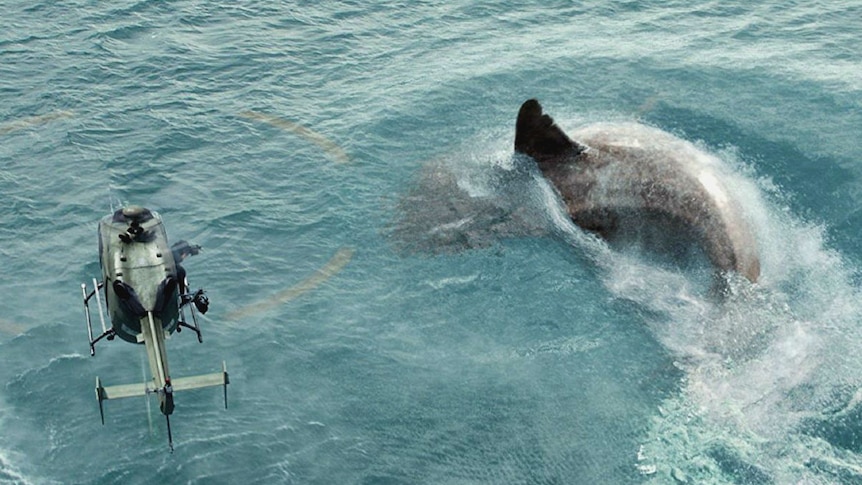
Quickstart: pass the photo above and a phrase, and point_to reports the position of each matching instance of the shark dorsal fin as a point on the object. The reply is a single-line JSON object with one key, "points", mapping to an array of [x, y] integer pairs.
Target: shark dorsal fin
{"points": [[538, 136]]}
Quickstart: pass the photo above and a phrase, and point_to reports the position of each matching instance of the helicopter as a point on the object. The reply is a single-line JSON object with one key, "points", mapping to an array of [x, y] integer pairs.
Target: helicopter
{"points": [[146, 295]]}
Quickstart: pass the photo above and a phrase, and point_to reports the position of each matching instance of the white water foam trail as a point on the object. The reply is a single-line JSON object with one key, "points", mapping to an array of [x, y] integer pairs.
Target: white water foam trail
{"points": [[10, 475], [10, 471], [762, 365]]}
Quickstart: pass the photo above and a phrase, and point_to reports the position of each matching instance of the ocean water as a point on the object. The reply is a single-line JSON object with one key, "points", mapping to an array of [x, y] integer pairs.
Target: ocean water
{"points": [[294, 142]]}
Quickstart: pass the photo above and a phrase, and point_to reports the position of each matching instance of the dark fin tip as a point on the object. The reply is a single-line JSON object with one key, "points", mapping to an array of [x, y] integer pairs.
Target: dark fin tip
{"points": [[538, 136]]}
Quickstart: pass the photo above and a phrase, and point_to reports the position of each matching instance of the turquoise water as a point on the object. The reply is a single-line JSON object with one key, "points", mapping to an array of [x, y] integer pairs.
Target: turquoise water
{"points": [[535, 357]]}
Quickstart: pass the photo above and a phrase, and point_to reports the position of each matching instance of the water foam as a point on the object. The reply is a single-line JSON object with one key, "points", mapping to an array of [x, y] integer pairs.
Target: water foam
{"points": [[763, 368], [10, 461]]}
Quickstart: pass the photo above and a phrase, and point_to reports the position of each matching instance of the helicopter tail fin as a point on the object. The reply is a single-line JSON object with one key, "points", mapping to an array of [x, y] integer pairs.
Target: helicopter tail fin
{"points": [[104, 393]]}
